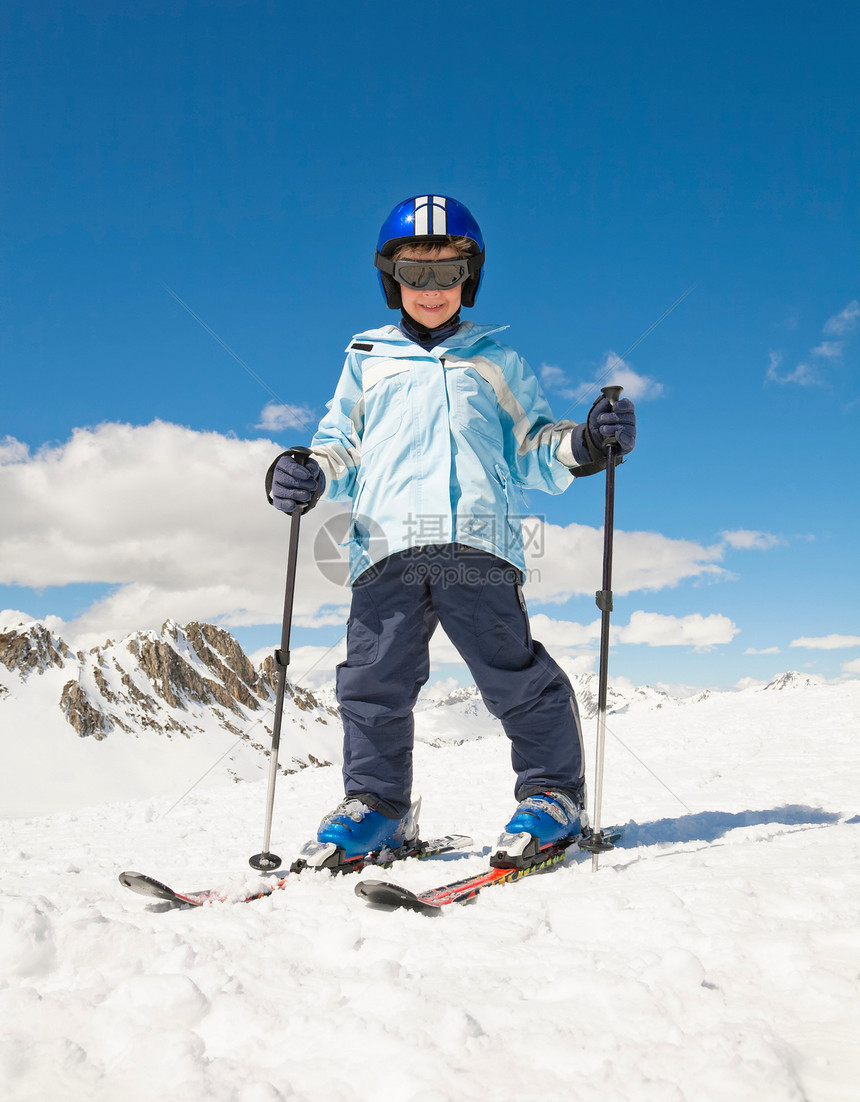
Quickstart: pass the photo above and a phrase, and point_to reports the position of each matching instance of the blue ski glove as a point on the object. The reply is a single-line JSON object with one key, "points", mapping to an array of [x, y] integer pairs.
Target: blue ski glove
{"points": [[290, 486], [619, 421], [588, 440]]}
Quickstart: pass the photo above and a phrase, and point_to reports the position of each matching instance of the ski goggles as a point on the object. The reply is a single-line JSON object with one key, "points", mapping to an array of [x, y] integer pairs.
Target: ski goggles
{"points": [[431, 275]]}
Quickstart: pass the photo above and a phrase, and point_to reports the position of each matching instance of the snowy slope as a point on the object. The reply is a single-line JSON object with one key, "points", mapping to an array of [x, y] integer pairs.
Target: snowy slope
{"points": [[715, 955]]}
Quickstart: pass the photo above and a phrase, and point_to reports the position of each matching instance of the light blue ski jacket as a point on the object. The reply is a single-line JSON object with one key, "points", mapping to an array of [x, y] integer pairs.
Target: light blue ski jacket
{"points": [[431, 446]]}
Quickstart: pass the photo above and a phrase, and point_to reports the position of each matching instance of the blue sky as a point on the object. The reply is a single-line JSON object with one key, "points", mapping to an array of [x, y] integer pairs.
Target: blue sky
{"points": [[182, 172]]}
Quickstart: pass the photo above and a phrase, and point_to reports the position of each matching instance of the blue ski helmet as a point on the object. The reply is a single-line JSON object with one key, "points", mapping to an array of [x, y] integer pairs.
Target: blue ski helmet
{"points": [[432, 218]]}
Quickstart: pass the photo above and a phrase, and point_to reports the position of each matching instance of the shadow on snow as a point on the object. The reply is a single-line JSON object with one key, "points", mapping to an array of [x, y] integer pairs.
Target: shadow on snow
{"points": [[708, 826]]}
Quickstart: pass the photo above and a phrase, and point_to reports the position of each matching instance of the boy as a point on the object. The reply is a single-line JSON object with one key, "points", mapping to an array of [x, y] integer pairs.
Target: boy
{"points": [[432, 427]]}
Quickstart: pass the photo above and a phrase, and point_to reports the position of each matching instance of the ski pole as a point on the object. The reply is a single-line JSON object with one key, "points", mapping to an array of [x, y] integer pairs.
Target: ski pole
{"points": [[596, 842], [267, 861]]}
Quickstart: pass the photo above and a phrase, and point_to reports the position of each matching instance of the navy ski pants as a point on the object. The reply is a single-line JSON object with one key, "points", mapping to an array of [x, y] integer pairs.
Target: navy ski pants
{"points": [[477, 597]]}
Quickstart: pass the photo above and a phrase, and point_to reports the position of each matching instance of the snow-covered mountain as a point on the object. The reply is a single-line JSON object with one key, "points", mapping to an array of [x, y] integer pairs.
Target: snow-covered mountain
{"points": [[466, 704], [146, 714], [461, 715]]}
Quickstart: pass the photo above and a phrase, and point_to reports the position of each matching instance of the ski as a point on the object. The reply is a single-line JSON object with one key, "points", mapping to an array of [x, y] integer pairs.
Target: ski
{"points": [[154, 889], [432, 900]]}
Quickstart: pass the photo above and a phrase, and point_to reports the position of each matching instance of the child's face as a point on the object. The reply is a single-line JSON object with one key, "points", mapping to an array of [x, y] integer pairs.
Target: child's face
{"points": [[431, 308]]}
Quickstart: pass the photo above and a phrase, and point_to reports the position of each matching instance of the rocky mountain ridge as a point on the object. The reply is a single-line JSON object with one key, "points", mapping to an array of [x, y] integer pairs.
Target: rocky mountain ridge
{"points": [[172, 682], [163, 681], [467, 701]]}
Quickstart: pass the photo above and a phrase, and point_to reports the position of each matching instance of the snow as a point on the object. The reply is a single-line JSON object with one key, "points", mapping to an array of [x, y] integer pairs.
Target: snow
{"points": [[714, 955]]}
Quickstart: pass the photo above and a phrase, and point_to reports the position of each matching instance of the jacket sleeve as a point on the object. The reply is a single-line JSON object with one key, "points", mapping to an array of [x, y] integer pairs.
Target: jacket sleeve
{"points": [[537, 448], [336, 445]]}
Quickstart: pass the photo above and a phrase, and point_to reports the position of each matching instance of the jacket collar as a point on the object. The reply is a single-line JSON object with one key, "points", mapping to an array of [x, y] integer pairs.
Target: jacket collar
{"points": [[397, 344]]}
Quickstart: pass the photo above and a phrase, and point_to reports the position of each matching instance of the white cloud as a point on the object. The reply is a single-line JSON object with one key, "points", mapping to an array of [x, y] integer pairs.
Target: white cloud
{"points": [[11, 618], [612, 372], [651, 629], [851, 667], [560, 634], [314, 667], [442, 650], [566, 562], [802, 375], [615, 372], [177, 520], [844, 322], [577, 665], [827, 642], [749, 683], [828, 350], [764, 650], [275, 417], [841, 325], [552, 376], [697, 631], [438, 688], [742, 539], [774, 364], [13, 451], [324, 618]]}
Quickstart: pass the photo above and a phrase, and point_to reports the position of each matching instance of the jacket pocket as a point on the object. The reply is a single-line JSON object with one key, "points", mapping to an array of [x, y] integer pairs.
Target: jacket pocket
{"points": [[510, 536], [474, 408], [386, 401]]}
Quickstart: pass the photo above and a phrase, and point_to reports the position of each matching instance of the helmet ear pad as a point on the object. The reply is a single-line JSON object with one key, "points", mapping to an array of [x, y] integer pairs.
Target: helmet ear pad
{"points": [[472, 286], [391, 290]]}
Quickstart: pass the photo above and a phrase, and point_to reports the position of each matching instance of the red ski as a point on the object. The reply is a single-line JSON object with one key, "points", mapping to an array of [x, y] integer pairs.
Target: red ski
{"points": [[433, 900], [459, 891]]}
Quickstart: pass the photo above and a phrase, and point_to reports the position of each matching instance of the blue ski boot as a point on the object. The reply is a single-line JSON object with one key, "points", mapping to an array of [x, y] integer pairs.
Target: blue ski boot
{"points": [[354, 830], [540, 821]]}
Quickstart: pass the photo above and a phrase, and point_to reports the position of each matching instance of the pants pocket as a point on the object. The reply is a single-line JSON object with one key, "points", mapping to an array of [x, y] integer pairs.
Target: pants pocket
{"points": [[502, 627], [363, 628]]}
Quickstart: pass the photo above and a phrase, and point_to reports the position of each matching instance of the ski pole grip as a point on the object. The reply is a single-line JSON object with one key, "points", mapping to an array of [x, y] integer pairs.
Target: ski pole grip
{"points": [[302, 455], [611, 394]]}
